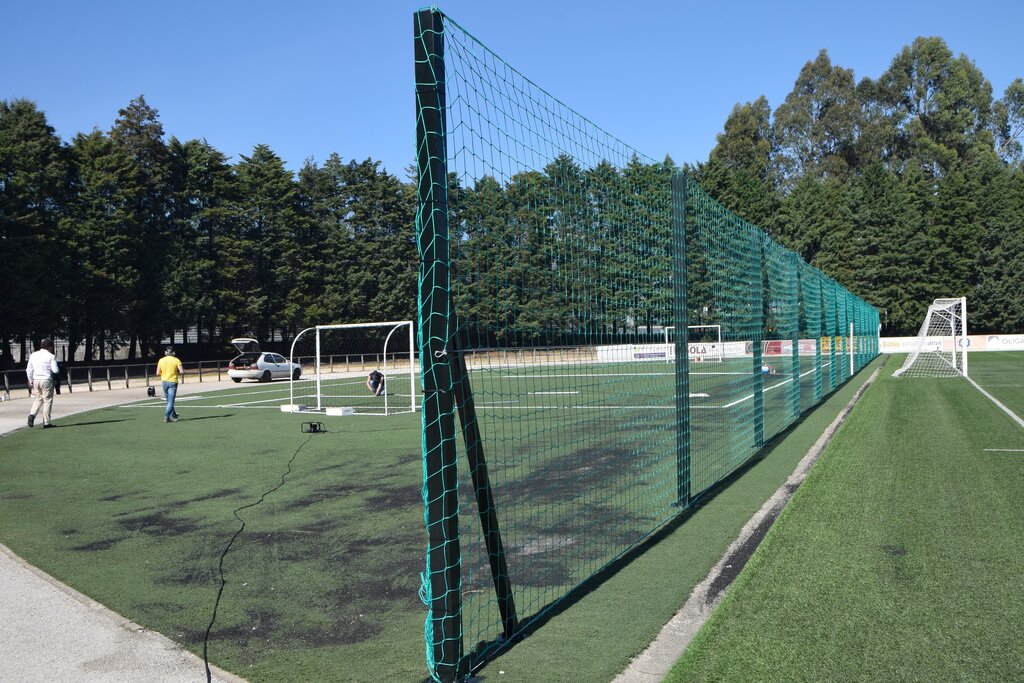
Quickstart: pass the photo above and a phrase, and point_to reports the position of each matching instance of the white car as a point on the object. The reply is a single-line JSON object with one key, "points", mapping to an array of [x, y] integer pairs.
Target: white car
{"points": [[262, 366]]}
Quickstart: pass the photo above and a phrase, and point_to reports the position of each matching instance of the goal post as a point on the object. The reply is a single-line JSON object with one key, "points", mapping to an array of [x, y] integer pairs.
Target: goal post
{"points": [[337, 360], [940, 349], [703, 342]]}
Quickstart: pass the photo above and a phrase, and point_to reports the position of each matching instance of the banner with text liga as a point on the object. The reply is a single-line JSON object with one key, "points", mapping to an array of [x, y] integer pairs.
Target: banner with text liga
{"points": [[975, 342]]}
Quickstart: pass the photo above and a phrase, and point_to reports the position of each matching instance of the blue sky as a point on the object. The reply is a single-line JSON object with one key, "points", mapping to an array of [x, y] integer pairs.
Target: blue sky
{"points": [[312, 78]]}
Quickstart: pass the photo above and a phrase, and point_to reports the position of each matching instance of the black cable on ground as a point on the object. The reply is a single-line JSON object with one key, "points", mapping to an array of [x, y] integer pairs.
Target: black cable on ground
{"points": [[220, 590]]}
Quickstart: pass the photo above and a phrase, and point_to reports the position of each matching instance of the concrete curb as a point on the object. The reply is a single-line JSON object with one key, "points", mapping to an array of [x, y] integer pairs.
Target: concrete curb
{"points": [[654, 663]]}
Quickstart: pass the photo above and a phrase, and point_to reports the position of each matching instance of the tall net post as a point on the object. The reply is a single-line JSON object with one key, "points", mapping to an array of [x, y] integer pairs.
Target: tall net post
{"points": [[442, 584], [680, 315]]}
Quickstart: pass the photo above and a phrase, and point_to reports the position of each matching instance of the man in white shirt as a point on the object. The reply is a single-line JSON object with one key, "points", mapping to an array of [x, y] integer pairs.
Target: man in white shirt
{"points": [[42, 366]]}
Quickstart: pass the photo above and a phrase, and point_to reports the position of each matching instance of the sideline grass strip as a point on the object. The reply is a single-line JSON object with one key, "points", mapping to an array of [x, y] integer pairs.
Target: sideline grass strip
{"points": [[900, 558]]}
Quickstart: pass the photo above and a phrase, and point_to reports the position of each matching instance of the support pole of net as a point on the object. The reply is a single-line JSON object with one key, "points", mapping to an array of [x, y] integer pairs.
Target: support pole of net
{"points": [[679, 317], [852, 370], [442, 584], [484, 496]]}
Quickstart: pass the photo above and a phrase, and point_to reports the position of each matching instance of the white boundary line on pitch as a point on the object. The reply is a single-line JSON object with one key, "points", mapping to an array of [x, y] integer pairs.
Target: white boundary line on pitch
{"points": [[1004, 450], [1013, 415], [774, 386]]}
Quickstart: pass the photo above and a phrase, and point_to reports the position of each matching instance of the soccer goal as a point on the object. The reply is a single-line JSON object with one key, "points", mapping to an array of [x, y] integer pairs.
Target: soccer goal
{"points": [[941, 346], [337, 361], [704, 342]]}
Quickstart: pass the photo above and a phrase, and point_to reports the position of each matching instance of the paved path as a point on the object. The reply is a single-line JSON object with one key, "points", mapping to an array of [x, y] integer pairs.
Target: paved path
{"points": [[50, 632]]}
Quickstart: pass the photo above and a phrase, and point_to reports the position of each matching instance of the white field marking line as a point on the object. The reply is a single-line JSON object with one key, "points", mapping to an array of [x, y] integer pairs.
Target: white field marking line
{"points": [[552, 393], [703, 374], [774, 386], [509, 405], [1004, 450], [1013, 416]]}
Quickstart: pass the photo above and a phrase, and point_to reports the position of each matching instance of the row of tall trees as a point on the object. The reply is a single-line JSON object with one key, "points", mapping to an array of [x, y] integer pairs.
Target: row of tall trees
{"points": [[904, 189], [564, 253], [120, 238]]}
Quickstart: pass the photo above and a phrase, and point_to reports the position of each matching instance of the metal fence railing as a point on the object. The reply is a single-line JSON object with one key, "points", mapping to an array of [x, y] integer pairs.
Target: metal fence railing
{"points": [[14, 383], [108, 377]]}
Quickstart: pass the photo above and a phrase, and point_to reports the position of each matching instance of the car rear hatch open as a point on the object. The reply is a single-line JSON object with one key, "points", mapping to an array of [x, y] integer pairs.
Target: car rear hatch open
{"points": [[246, 345]]}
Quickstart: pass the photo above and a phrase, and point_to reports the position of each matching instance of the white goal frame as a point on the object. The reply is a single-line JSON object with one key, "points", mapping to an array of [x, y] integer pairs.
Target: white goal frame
{"points": [[941, 346], [390, 406], [716, 355]]}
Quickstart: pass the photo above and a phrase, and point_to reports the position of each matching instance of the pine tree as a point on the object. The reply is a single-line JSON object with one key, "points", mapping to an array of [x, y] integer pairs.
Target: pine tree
{"points": [[34, 176], [200, 290], [267, 215], [137, 135]]}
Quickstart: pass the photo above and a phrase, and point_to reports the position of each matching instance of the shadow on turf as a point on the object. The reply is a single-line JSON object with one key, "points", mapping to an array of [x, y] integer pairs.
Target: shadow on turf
{"points": [[92, 423], [487, 651], [204, 417]]}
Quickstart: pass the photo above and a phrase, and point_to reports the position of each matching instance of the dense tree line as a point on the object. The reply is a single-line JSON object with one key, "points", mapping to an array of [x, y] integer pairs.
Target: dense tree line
{"points": [[120, 238], [904, 189]]}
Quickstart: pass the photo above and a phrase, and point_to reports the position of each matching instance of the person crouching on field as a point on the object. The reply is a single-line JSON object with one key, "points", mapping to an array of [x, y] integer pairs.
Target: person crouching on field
{"points": [[375, 383], [42, 369], [170, 371]]}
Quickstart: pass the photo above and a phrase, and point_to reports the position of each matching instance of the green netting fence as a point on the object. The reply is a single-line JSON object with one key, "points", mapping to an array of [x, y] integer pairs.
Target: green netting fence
{"points": [[601, 342]]}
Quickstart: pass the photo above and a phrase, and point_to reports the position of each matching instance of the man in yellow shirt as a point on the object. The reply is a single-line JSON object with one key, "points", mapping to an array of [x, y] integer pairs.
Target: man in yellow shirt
{"points": [[170, 371]]}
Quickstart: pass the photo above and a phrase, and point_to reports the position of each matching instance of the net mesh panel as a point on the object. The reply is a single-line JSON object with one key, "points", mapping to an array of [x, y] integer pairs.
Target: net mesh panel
{"points": [[560, 429], [937, 348]]}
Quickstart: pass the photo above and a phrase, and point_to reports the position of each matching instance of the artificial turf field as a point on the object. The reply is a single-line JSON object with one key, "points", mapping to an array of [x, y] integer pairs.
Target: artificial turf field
{"points": [[322, 582], [901, 558]]}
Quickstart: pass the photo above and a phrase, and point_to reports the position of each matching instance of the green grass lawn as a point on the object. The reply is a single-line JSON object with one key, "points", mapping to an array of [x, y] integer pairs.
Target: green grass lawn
{"points": [[900, 558], [322, 583]]}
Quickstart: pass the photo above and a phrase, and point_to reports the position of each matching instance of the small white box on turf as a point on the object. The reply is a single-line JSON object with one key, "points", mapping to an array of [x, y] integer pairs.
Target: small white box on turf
{"points": [[341, 411]]}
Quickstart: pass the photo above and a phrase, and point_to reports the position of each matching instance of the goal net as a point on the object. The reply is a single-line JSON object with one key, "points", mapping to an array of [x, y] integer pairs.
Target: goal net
{"points": [[941, 346], [704, 342], [338, 360]]}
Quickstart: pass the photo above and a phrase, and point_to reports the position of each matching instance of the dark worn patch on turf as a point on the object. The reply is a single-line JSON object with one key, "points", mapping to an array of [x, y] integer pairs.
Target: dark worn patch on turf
{"points": [[221, 493], [324, 493], [158, 524], [894, 550], [103, 544], [587, 469], [263, 626], [396, 498], [68, 532], [191, 576]]}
